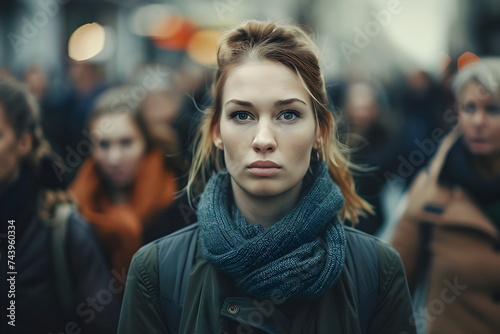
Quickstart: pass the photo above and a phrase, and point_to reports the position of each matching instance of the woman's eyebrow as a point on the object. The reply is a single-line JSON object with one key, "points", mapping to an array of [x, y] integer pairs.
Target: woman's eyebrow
{"points": [[288, 101], [276, 104], [239, 102]]}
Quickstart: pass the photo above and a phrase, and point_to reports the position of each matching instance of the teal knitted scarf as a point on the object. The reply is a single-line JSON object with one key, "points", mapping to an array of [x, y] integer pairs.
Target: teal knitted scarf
{"points": [[300, 256]]}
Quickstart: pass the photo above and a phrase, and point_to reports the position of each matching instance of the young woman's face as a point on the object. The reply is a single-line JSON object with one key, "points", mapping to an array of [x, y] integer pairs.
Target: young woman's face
{"points": [[12, 150], [119, 152], [267, 128], [479, 119]]}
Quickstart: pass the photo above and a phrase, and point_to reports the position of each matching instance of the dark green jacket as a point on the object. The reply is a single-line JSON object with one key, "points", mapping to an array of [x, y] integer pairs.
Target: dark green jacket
{"points": [[230, 311]]}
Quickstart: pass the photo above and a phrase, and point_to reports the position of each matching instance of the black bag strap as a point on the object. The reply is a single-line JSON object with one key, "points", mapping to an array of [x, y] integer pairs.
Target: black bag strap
{"points": [[63, 280], [420, 291], [425, 253]]}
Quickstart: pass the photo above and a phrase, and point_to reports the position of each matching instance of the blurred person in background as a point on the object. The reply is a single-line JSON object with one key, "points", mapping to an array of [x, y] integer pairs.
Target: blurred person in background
{"points": [[161, 105], [126, 188], [87, 81], [449, 235], [273, 191], [372, 143], [172, 101], [163, 101], [46, 300], [421, 101], [194, 82], [37, 83]]}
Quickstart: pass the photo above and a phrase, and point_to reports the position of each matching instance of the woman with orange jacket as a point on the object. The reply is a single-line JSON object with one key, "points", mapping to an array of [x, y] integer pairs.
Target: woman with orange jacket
{"points": [[129, 181]]}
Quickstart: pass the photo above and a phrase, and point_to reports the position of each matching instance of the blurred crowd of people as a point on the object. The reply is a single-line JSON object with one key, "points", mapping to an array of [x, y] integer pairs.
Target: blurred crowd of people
{"points": [[103, 161], [117, 155]]}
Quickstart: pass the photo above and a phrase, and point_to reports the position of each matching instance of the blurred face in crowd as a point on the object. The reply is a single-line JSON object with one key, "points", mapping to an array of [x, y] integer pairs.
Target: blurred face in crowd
{"points": [[361, 106], [12, 150], [479, 119], [37, 82], [161, 107], [119, 152], [267, 129]]}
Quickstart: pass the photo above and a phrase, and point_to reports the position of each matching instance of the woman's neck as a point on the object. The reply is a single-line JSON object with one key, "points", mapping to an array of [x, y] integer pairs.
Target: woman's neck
{"points": [[120, 195], [488, 166], [265, 210], [8, 181]]}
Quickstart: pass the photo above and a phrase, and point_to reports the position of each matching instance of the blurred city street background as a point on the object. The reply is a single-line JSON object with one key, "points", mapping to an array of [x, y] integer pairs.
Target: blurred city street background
{"points": [[388, 67]]}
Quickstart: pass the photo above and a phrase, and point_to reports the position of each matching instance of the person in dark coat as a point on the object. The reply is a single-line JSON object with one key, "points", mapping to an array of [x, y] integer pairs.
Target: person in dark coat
{"points": [[270, 252], [37, 297]]}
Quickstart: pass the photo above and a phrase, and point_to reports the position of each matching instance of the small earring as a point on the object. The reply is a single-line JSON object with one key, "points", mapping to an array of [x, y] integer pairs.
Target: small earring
{"points": [[315, 155]]}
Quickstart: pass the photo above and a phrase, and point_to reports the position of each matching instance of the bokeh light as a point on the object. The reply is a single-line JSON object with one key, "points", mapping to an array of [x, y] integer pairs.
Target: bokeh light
{"points": [[145, 20], [173, 33], [202, 47], [86, 42]]}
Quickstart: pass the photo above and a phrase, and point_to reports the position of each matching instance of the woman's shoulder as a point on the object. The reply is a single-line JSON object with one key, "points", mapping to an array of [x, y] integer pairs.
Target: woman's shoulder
{"points": [[377, 261], [170, 241], [378, 275], [144, 264], [372, 261], [364, 247], [166, 259], [163, 252], [146, 302]]}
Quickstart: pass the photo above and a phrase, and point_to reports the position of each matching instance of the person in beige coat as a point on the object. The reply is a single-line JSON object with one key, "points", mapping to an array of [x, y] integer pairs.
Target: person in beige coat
{"points": [[449, 234]]}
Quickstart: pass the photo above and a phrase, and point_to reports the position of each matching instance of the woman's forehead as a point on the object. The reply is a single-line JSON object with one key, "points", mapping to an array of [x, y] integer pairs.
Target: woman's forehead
{"points": [[265, 82], [476, 91], [114, 126]]}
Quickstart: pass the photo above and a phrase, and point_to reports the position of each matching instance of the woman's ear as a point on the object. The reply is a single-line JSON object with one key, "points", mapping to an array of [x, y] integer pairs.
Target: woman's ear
{"points": [[25, 144], [216, 137], [318, 140]]}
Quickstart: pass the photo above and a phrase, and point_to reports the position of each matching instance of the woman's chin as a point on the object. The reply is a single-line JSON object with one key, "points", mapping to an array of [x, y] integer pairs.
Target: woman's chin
{"points": [[121, 183]]}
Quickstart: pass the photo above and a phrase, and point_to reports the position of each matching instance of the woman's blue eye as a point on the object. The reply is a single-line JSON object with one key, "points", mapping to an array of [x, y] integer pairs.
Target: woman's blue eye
{"points": [[240, 116], [126, 142], [290, 115], [104, 144], [493, 109], [469, 107]]}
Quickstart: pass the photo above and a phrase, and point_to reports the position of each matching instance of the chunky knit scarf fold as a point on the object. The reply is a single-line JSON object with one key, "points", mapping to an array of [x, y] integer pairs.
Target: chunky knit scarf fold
{"points": [[300, 256]]}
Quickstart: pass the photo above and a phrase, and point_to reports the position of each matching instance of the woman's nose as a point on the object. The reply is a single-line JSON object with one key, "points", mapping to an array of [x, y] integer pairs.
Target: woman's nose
{"points": [[114, 154], [264, 140], [479, 117]]}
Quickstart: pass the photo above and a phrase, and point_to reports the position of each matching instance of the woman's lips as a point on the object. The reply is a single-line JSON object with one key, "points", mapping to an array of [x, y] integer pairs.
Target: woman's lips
{"points": [[263, 171], [117, 173], [478, 144], [264, 168], [479, 141]]}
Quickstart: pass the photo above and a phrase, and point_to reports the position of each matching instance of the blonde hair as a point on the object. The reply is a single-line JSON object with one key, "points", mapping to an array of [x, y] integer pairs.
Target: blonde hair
{"points": [[293, 48]]}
